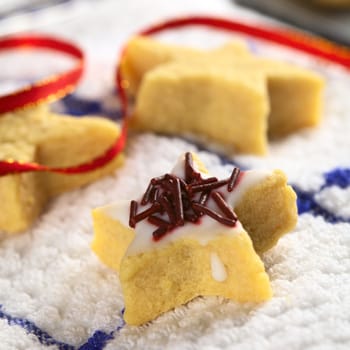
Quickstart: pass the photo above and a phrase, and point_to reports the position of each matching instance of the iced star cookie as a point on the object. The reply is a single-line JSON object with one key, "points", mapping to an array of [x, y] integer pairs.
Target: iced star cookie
{"points": [[37, 135], [183, 239], [226, 95]]}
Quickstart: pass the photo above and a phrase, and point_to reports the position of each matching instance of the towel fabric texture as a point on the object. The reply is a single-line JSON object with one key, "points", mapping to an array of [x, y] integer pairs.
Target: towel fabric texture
{"points": [[56, 294]]}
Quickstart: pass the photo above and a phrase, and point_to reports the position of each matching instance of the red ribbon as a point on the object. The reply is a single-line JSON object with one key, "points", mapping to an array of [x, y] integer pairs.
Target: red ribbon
{"points": [[308, 44], [51, 88], [11, 167], [62, 83]]}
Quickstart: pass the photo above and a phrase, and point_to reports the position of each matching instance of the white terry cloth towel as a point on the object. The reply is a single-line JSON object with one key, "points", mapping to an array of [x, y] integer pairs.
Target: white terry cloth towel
{"points": [[56, 294]]}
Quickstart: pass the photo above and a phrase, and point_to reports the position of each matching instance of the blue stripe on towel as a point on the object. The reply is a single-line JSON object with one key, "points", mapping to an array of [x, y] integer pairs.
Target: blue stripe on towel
{"points": [[307, 204], [79, 106], [96, 342], [99, 339], [339, 177], [30, 327]]}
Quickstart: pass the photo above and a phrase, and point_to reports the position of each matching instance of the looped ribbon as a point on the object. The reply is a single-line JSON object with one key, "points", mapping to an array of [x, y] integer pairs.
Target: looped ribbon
{"points": [[59, 85], [312, 45], [48, 89]]}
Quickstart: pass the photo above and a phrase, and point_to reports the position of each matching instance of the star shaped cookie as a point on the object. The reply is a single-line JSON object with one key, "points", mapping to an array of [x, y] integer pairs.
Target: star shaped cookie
{"points": [[37, 135], [226, 96], [186, 236]]}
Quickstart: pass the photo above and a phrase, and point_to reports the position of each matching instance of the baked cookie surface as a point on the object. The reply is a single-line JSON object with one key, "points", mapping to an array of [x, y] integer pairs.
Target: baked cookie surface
{"points": [[37, 135], [226, 95], [159, 280], [203, 254], [143, 54]]}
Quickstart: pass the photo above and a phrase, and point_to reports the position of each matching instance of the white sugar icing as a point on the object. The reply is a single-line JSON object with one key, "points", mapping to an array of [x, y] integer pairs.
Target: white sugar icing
{"points": [[218, 270], [205, 230]]}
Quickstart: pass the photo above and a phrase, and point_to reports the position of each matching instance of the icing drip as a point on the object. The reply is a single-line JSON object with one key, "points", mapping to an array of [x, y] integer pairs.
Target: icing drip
{"points": [[218, 270]]}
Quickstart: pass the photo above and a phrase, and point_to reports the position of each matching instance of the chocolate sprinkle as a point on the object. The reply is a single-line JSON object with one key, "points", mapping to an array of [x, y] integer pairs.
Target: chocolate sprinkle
{"points": [[188, 167], [221, 203], [179, 210], [233, 179], [208, 186], [155, 220], [145, 198], [154, 194], [205, 210], [175, 201], [133, 211], [157, 180], [143, 215], [204, 197], [166, 205], [190, 173], [191, 216], [160, 232]]}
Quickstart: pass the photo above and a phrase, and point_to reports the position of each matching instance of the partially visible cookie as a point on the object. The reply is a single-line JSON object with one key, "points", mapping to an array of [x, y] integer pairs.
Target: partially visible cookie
{"points": [[183, 91], [37, 135], [143, 54], [215, 102]]}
